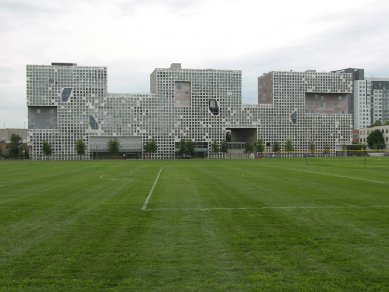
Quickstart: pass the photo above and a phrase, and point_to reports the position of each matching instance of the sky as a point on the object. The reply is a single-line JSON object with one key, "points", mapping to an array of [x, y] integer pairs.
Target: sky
{"points": [[132, 37]]}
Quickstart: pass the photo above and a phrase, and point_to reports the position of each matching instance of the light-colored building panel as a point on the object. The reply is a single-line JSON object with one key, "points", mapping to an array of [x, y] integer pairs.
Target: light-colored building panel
{"points": [[206, 104], [365, 132]]}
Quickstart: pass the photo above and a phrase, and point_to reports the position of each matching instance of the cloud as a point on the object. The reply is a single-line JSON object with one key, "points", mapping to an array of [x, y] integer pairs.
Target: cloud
{"points": [[132, 37], [5, 74], [21, 6], [173, 6]]}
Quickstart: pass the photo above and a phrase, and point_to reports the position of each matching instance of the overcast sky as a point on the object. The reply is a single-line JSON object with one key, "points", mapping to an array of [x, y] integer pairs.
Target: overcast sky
{"points": [[132, 37]]}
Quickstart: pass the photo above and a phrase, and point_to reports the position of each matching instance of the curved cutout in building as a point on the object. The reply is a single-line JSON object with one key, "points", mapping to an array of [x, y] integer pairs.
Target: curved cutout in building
{"points": [[214, 107], [92, 122], [66, 92], [293, 118]]}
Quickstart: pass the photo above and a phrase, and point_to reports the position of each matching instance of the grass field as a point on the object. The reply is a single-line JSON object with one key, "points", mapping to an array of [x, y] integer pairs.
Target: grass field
{"points": [[214, 225]]}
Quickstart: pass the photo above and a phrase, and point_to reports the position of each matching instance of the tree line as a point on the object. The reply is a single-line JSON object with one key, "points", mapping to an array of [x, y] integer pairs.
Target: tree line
{"points": [[113, 147], [17, 149]]}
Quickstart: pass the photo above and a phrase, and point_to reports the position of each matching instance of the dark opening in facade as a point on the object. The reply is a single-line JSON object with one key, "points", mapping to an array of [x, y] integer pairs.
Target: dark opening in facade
{"points": [[66, 92], [93, 123], [214, 107]]}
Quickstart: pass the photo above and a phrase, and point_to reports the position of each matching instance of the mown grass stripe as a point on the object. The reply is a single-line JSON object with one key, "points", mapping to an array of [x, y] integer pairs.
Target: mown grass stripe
{"points": [[222, 225]]}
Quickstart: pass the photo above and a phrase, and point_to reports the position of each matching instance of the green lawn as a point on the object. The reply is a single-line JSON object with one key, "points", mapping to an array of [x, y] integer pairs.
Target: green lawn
{"points": [[270, 224]]}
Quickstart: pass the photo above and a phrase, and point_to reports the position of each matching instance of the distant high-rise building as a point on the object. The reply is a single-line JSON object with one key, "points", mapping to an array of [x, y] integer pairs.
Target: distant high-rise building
{"points": [[67, 102], [371, 101]]}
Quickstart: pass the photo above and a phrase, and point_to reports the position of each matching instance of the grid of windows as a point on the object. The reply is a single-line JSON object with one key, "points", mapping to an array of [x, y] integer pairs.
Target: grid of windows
{"points": [[182, 105], [73, 90], [289, 118], [371, 101]]}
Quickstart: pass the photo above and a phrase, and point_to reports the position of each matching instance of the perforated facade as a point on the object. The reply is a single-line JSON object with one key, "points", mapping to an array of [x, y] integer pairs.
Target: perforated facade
{"points": [[69, 102], [305, 107]]}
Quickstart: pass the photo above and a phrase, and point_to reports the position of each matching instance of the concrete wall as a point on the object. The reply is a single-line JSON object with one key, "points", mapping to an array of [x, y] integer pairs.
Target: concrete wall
{"points": [[127, 143], [324, 103], [42, 117], [182, 94], [244, 135], [265, 89], [6, 134]]}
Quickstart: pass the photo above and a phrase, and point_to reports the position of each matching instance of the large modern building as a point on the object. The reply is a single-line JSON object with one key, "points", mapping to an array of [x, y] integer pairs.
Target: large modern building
{"points": [[67, 102], [371, 101]]}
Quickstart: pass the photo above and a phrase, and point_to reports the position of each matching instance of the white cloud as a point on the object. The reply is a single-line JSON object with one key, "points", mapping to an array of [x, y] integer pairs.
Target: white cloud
{"points": [[132, 37]]}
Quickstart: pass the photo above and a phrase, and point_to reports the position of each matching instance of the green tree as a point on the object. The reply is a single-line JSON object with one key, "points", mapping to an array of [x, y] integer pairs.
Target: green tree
{"points": [[189, 147], [46, 148], [80, 147], [24, 151], [289, 145], [14, 146], [215, 147], [248, 147], [276, 147], [312, 147], [327, 149], [387, 123], [223, 147], [113, 146], [375, 140], [182, 147], [5, 154], [259, 146], [377, 123], [151, 146], [228, 136], [356, 149]]}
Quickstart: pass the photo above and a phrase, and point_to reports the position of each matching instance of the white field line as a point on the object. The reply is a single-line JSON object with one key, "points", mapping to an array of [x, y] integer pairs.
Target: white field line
{"points": [[343, 176], [111, 178], [268, 207], [151, 191], [201, 209], [378, 166], [335, 175]]}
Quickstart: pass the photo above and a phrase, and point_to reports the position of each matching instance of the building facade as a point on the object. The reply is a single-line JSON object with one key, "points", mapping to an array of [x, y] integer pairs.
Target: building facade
{"points": [[306, 107], [364, 133], [5, 134], [371, 101], [357, 74], [5, 139], [67, 102]]}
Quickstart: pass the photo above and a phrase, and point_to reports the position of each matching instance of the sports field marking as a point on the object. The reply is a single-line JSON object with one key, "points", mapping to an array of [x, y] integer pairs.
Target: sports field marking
{"points": [[151, 191], [268, 207], [335, 175], [112, 178], [323, 207], [343, 176], [201, 209]]}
